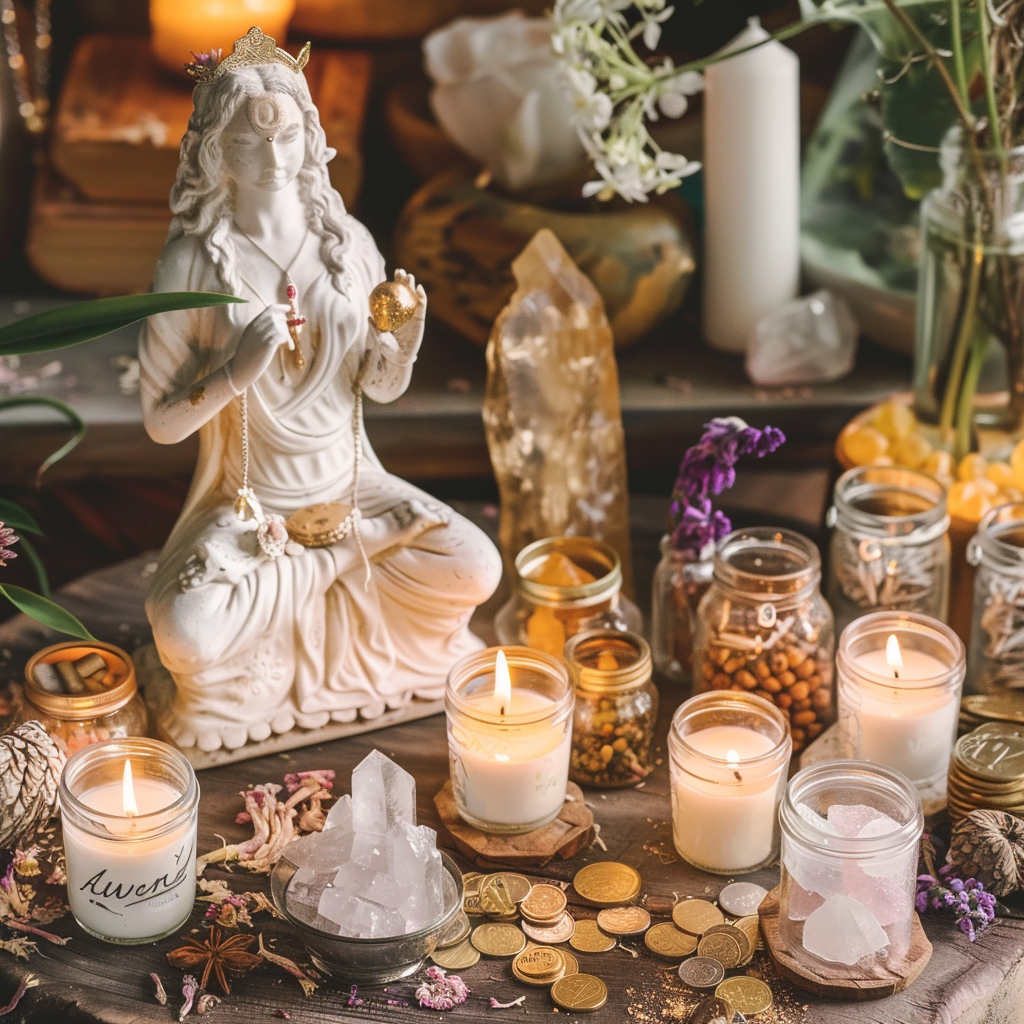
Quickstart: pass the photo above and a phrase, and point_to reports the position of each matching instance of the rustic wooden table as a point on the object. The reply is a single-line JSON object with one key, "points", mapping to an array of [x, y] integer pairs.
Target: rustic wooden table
{"points": [[88, 981]]}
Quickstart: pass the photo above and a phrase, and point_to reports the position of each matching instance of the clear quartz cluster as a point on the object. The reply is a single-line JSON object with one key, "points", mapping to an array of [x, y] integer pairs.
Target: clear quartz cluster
{"points": [[372, 872], [551, 410], [846, 907]]}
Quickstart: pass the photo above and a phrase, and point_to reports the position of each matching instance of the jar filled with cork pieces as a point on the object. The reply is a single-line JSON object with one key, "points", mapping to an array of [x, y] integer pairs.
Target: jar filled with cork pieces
{"points": [[616, 708], [561, 587], [83, 692], [765, 628]]}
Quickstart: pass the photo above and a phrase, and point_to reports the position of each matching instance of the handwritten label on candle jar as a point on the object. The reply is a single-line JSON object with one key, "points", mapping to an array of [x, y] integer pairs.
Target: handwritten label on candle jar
{"points": [[131, 894]]}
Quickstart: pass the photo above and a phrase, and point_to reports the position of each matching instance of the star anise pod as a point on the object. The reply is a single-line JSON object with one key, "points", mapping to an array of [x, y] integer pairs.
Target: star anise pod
{"points": [[223, 958]]}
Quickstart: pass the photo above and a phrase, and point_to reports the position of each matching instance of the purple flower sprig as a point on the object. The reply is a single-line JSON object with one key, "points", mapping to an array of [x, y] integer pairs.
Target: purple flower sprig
{"points": [[973, 908], [440, 991], [707, 469]]}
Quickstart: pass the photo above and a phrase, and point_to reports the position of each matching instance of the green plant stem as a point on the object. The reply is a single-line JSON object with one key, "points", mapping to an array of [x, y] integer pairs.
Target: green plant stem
{"points": [[29, 551], [951, 399], [965, 412], [784, 33], [985, 33], [66, 411], [957, 46]]}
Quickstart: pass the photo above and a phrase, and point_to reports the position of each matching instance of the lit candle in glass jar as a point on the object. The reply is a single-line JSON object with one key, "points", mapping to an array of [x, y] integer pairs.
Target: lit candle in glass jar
{"points": [[728, 753], [129, 810], [901, 676], [509, 745], [183, 27]]}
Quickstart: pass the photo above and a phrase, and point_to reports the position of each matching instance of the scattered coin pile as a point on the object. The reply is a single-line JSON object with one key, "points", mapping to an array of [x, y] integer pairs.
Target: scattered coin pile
{"points": [[525, 922], [987, 770], [979, 708]]}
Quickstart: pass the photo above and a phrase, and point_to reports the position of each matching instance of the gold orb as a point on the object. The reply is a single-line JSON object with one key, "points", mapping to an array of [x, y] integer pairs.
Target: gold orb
{"points": [[392, 304]]}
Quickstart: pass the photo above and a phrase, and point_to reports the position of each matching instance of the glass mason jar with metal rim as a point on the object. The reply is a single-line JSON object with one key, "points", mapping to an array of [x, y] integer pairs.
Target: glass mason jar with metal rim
{"points": [[562, 586], [509, 738], [765, 628], [680, 582], [728, 754], [110, 708], [995, 657], [890, 544], [616, 708], [850, 834]]}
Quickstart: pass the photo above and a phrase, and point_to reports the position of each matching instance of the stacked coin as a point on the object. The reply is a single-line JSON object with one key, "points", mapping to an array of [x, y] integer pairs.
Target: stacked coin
{"points": [[540, 965], [987, 770], [979, 708]]}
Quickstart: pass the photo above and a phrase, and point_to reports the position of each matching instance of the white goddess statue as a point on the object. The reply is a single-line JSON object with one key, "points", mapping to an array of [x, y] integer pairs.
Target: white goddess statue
{"points": [[262, 634]]}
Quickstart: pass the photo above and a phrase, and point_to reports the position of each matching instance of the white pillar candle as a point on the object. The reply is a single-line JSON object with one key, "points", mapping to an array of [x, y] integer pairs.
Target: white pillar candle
{"points": [[751, 187], [727, 780], [509, 745], [130, 844], [910, 725]]}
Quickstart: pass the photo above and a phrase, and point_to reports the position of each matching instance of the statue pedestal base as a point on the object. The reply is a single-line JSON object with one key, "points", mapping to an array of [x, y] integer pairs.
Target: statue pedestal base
{"points": [[158, 689]]}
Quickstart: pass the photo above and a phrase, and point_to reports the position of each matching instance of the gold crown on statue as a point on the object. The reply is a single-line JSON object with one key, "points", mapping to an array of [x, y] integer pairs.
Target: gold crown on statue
{"points": [[252, 49]]}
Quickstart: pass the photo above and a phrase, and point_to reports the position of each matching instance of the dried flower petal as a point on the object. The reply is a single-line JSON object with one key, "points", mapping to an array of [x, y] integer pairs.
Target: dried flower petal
{"points": [[29, 981], [308, 985], [189, 988], [206, 1002], [160, 995], [439, 992]]}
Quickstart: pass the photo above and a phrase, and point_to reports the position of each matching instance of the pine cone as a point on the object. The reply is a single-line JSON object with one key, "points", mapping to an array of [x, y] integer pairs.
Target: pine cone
{"points": [[30, 768], [989, 846]]}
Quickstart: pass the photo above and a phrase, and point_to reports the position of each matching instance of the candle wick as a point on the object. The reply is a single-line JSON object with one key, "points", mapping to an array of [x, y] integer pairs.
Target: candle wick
{"points": [[739, 778], [895, 673], [502, 710]]}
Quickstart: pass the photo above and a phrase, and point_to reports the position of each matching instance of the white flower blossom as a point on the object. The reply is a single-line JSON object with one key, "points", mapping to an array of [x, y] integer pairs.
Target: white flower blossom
{"points": [[615, 93]]}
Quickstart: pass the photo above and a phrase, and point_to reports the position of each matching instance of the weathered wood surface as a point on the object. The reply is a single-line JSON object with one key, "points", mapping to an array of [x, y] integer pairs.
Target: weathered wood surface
{"points": [[88, 981]]}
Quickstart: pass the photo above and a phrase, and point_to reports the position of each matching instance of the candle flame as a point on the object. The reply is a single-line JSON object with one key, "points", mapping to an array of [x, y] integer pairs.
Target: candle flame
{"points": [[893, 656], [128, 789], [732, 757], [502, 683]]}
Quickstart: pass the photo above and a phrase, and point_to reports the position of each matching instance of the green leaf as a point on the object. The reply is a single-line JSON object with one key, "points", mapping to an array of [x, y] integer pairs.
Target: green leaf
{"points": [[66, 411], [84, 321], [13, 515], [45, 611], [891, 39], [29, 551]]}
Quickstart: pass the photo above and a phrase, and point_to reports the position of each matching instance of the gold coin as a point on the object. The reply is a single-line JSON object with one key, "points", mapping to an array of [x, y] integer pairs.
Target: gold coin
{"points": [[455, 932], [667, 940], [579, 993], [695, 917], [518, 886], [723, 948], [539, 962], [545, 904], [713, 1010], [588, 938], [740, 936], [552, 934], [319, 526], [392, 304], [624, 920], [746, 995], [496, 938], [1004, 707], [751, 927], [701, 972], [572, 965], [457, 958], [495, 899], [607, 883], [994, 751], [540, 982]]}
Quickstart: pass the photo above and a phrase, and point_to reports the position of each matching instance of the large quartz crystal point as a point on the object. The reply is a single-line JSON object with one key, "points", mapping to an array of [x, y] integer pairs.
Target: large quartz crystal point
{"points": [[551, 410]]}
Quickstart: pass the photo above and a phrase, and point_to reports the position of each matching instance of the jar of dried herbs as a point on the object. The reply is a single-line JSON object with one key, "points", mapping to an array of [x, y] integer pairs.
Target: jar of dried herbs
{"points": [[890, 547], [83, 692], [562, 586], [995, 656], [616, 708], [764, 627]]}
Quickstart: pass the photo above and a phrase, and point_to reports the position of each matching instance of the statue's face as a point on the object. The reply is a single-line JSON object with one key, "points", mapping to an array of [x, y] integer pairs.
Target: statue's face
{"points": [[264, 143]]}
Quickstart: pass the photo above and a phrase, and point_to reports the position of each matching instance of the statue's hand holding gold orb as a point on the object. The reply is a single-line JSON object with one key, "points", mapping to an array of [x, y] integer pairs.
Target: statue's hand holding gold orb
{"points": [[392, 304]]}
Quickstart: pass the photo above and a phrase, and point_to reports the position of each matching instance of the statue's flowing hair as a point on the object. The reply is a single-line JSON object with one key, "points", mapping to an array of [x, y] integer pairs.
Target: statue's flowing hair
{"points": [[202, 199]]}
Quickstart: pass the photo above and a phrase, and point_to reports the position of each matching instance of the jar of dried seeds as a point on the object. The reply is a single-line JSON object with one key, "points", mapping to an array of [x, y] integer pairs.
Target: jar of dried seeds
{"points": [[764, 627], [995, 656], [890, 549], [616, 708]]}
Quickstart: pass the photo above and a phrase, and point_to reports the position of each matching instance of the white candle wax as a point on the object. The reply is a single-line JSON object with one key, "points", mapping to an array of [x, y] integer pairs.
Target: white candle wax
{"points": [[724, 816], [751, 187], [124, 888], [511, 774], [910, 726]]}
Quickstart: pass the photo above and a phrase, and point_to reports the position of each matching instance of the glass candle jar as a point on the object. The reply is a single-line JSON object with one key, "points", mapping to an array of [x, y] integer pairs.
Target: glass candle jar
{"points": [[509, 714], [901, 676], [850, 834], [129, 809], [728, 754], [890, 547], [109, 708], [680, 582], [616, 708], [562, 586], [763, 627], [996, 656]]}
